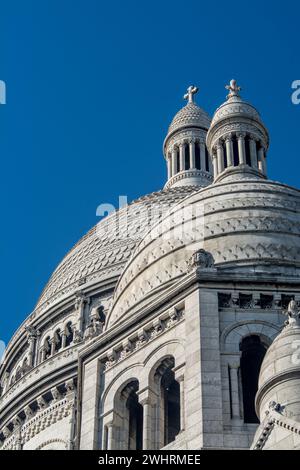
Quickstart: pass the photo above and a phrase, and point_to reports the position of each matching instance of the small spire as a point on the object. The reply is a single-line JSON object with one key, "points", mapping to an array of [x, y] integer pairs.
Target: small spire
{"points": [[233, 88], [191, 91]]}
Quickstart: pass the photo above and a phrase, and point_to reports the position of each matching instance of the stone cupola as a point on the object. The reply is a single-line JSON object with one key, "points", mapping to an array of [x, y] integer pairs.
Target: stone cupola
{"points": [[184, 148], [237, 139]]}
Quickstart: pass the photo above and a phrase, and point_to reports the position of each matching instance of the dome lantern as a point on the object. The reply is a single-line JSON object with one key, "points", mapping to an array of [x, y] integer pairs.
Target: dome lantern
{"points": [[184, 147], [237, 138]]}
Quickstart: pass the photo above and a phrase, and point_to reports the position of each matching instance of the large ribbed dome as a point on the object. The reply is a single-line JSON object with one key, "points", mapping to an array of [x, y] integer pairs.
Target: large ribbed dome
{"points": [[103, 252], [190, 115]]}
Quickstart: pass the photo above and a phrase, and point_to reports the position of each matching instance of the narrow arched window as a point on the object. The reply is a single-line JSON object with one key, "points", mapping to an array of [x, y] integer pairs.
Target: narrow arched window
{"points": [[247, 150], [187, 157], [177, 161], [253, 351], [225, 155], [235, 148], [135, 431], [197, 155]]}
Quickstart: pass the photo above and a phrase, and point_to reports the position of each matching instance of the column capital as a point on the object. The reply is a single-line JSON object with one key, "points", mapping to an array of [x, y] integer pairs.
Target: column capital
{"points": [[241, 135]]}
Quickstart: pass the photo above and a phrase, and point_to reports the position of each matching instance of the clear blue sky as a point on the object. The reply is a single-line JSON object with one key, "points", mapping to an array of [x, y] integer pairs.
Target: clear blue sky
{"points": [[91, 88]]}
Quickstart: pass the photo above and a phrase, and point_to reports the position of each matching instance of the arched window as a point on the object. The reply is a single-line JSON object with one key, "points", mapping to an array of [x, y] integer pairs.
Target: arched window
{"points": [[197, 156], [135, 420], [253, 351], [247, 150], [168, 424], [187, 157], [235, 147], [128, 420], [171, 399], [177, 161], [225, 155]]}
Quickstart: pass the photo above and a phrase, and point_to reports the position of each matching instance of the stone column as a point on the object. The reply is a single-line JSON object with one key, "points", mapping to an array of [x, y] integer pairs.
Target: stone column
{"points": [[180, 380], [234, 382], [229, 151], [192, 154], [202, 156], [42, 354], [253, 153], [52, 346], [241, 146], [181, 156], [63, 339], [174, 162], [110, 438], [220, 157], [215, 165], [147, 421], [169, 164], [262, 161]]}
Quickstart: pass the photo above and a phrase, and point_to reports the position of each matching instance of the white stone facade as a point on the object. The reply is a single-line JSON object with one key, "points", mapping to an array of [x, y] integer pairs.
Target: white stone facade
{"points": [[141, 336]]}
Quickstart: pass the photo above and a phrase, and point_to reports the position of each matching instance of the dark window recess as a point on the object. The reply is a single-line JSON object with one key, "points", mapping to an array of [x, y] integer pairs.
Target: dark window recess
{"points": [[266, 301], [171, 393], [247, 150], [285, 300], [187, 157], [135, 409], [206, 159], [245, 301], [235, 151], [224, 300], [253, 352], [177, 162], [197, 155]]}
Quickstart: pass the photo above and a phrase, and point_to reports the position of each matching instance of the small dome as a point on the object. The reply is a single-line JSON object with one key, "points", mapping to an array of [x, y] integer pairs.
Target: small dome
{"points": [[189, 116], [235, 106], [282, 356]]}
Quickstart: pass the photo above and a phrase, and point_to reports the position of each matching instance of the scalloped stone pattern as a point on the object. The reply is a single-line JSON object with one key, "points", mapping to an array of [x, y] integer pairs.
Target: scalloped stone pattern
{"points": [[103, 252], [190, 115], [235, 107]]}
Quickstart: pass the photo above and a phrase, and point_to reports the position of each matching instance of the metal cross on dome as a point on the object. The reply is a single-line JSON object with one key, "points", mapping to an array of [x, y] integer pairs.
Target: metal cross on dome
{"points": [[191, 91], [233, 88]]}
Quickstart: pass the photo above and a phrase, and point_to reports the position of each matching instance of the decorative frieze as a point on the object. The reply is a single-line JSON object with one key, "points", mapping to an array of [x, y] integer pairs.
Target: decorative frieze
{"points": [[144, 336]]}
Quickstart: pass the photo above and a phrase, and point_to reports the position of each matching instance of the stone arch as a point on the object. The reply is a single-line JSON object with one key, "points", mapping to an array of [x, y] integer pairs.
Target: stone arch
{"points": [[232, 335], [133, 372], [50, 445]]}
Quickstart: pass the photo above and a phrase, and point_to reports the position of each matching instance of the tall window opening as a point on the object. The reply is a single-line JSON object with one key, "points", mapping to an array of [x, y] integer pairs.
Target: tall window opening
{"points": [[171, 396], [253, 352], [187, 157], [135, 410], [197, 156], [247, 150], [235, 147]]}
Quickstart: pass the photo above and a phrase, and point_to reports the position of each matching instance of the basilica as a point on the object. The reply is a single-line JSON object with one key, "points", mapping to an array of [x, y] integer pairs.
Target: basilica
{"points": [[174, 322]]}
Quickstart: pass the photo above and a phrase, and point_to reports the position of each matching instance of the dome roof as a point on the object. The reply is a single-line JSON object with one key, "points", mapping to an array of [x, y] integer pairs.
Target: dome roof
{"points": [[241, 223], [189, 116], [103, 252], [235, 106], [279, 358]]}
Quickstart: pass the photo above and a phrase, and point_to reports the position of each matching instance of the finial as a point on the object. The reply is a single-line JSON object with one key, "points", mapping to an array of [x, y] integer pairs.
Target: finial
{"points": [[191, 91], [293, 313], [233, 89]]}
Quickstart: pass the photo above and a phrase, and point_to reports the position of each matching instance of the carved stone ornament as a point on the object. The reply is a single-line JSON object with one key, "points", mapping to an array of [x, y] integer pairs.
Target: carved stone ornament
{"points": [[293, 314], [202, 259]]}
